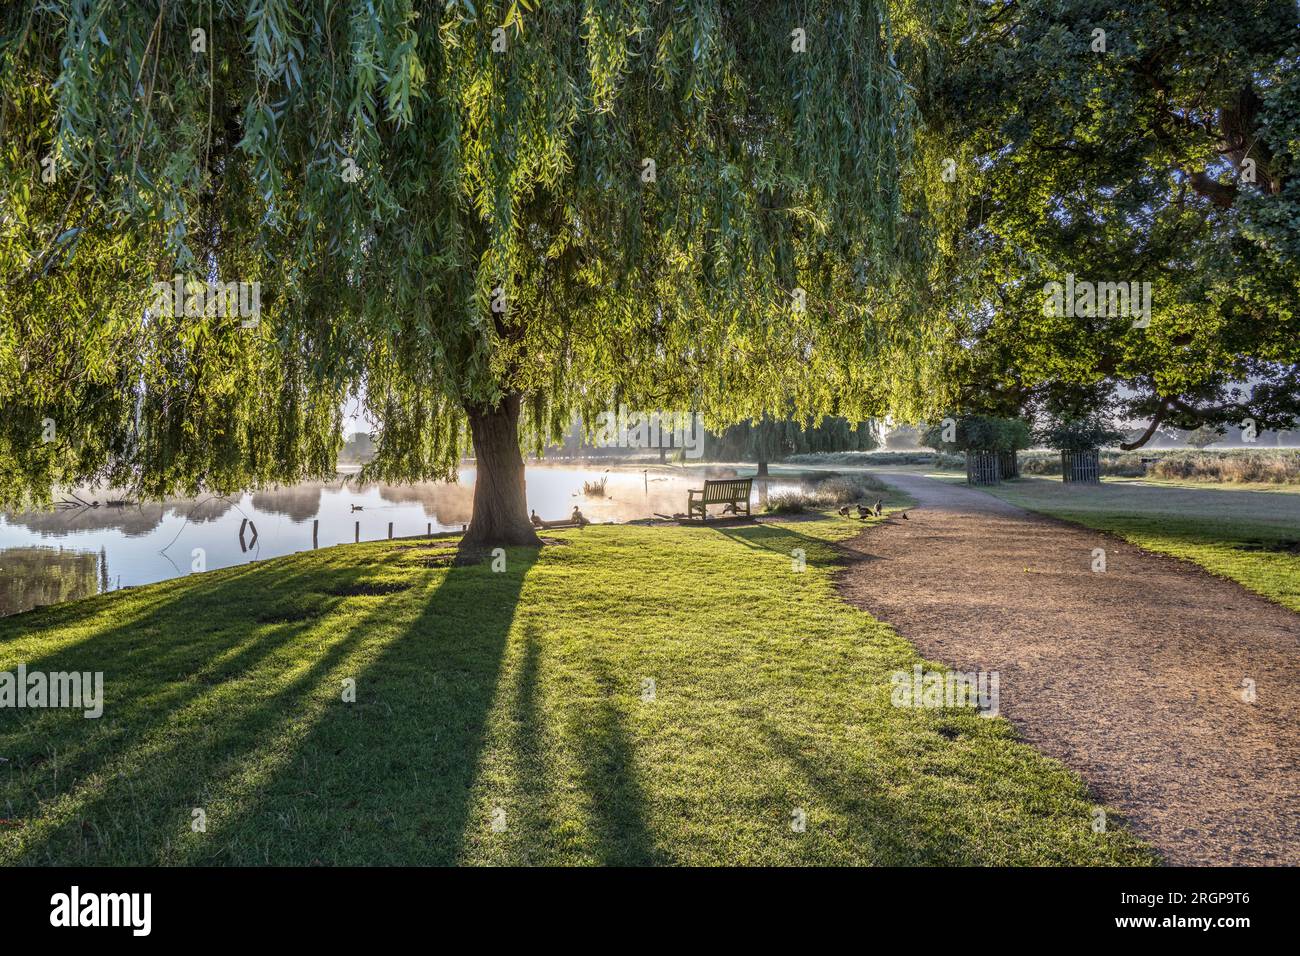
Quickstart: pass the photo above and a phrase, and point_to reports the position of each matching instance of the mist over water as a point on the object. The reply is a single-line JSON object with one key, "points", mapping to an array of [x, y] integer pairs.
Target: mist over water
{"points": [[73, 552]]}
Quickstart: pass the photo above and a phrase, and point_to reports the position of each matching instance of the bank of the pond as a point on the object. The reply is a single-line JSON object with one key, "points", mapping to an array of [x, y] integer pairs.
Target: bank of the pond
{"points": [[95, 542]]}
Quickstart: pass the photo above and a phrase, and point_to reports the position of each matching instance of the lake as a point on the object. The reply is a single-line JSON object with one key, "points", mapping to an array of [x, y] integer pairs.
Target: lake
{"points": [[73, 552]]}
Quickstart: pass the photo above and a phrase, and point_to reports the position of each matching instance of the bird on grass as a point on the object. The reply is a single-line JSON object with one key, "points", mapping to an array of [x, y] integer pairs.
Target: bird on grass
{"points": [[537, 522], [877, 506], [863, 512], [579, 518], [844, 512], [904, 515]]}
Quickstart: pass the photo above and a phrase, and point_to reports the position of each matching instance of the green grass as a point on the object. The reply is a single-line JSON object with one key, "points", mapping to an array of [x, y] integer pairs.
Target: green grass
{"points": [[519, 690], [1246, 534]]}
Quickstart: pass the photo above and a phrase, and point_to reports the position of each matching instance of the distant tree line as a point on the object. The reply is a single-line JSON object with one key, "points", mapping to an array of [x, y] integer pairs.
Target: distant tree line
{"points": [[769, 439], [358, 449]]}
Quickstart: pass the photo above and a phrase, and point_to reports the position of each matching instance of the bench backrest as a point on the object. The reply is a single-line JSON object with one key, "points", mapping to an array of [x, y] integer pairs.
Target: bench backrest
{"points": [[727, 489]]}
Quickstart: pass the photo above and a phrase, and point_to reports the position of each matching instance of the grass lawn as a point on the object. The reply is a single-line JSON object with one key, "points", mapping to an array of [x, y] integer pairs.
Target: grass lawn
{"points": [[517, 697], [1250, 534]]}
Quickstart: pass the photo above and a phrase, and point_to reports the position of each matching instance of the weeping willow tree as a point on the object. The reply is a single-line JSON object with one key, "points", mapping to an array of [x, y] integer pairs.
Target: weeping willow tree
{"points": [[475, 219]]}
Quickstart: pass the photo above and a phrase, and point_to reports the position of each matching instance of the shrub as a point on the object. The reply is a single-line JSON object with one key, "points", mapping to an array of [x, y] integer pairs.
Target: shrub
{"points": [[788, 503], [829, 493], [980, 433], [1265, 467], [845, 489]]}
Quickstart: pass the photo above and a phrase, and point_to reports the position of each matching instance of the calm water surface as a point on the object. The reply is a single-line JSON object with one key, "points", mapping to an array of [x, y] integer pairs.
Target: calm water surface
{"points": [[68, 553]]}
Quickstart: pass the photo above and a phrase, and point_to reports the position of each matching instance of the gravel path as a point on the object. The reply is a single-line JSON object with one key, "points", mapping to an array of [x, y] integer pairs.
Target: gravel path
{"points": [[1133, 677]]}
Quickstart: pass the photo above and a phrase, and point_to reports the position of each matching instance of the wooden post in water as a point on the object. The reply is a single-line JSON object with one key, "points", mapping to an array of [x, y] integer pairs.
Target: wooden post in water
{"points": [[390, 531], [357, 538], [428, 530], [315, 532]]}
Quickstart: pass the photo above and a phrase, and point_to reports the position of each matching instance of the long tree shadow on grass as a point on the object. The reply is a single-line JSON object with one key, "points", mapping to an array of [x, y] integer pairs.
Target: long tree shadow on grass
{"points": [[615, 796], [554, 745], [207, 715], [388, 779], [890, 831], [157, 658], [531, 737], [781, 539]]}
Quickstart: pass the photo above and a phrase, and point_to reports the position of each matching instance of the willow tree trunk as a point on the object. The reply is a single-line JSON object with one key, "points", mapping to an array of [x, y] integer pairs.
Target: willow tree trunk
{"points": [[500, 515]]}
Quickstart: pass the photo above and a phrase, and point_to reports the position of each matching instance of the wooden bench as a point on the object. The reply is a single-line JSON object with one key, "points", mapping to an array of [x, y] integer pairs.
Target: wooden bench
{"points": [[727, 491]]}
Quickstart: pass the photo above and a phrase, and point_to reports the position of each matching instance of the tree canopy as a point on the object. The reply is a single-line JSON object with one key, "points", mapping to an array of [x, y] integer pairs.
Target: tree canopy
{"points": [[978, 433], [451, 210], [1140, 141], [480, 219]]}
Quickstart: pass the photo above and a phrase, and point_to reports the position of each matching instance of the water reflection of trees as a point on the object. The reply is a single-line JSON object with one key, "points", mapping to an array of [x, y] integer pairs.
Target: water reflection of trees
{"points": [[446, 504], [133, 520], [299, 502], [32, 577]]}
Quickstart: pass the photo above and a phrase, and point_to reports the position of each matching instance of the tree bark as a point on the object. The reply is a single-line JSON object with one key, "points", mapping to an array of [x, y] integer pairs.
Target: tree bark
{"points": [[500, 517], [762, 469]]}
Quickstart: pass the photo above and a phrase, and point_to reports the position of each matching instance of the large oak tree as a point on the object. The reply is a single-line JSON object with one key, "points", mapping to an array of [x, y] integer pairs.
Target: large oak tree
{"points": [[1145, 140]]}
